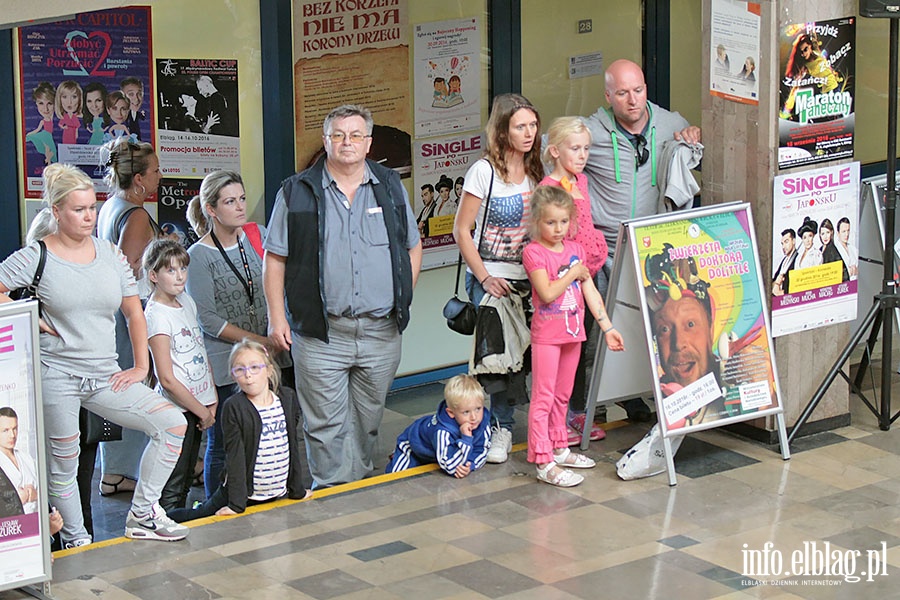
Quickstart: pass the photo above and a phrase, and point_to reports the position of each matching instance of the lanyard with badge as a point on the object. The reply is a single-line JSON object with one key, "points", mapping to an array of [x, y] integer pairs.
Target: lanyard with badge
{"points": [[248, 282]]}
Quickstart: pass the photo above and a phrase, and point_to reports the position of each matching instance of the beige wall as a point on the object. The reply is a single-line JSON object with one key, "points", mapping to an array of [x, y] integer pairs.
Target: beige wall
{"points": [[549, 38]]}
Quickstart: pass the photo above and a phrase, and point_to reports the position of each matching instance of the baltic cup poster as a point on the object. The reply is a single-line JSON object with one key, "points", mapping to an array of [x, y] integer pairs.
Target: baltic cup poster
{"points": [[816, 117], [84, 81], [705, 318]]}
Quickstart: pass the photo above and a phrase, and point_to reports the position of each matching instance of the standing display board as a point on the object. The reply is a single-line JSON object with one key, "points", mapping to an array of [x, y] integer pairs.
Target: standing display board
{"points": [[694, 280], [24, 527]]}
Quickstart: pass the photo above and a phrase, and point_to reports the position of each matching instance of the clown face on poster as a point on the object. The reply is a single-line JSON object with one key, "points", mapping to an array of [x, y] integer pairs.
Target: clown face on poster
{"points": [[706, 320], [815, 249]]}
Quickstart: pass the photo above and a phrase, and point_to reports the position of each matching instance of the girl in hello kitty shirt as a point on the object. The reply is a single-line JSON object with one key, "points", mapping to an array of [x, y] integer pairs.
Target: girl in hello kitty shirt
{"points": [[179, 357]]}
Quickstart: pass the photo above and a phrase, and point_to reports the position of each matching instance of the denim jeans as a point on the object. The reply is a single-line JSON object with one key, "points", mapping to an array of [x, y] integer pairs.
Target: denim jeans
{"points": [[214, 459]]}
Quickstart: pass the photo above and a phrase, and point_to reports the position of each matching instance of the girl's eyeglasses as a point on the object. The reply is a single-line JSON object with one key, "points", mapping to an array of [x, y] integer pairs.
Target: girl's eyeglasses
{"points": [[239, 372]]}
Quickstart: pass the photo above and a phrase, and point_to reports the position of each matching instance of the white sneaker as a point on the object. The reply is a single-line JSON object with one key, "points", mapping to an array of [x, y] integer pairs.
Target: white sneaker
{"points": [[501, 444], [77, 543], [154, 526]]}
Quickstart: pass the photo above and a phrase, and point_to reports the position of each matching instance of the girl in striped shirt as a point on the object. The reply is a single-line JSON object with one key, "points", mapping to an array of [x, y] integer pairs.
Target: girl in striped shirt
{"points": [[262, 455]]}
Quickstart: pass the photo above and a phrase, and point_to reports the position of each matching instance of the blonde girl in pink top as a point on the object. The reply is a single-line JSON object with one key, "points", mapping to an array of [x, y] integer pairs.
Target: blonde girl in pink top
{"points": [[568, 144]]}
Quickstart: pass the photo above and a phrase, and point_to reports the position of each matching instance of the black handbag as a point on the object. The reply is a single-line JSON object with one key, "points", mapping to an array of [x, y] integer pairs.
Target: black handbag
{"points": [[460, 314], [95, 428], [31, 291]]}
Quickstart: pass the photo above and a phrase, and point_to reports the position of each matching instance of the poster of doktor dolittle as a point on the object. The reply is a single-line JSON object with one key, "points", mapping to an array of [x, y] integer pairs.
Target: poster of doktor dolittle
{"points": [[817, 69], [705, 317], [815, 248]]}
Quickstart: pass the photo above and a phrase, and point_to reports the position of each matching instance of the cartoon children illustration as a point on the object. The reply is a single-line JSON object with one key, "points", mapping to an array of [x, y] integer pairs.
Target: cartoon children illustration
{"points": [[95, 117], [440, 93], [68, 110], [44, 96], [455, 96]]}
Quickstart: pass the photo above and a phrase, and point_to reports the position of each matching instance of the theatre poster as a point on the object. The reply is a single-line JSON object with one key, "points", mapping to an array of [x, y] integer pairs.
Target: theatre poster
{"points": [[173, 197], [817, 71], [70, 72], [705, 319], [814, 277], [353, 53], [442, 164]]}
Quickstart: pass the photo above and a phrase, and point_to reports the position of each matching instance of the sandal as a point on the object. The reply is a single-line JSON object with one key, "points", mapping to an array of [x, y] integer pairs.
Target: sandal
{"points": [[563, 478], [571, 460], [110, 489], [577, 423]]}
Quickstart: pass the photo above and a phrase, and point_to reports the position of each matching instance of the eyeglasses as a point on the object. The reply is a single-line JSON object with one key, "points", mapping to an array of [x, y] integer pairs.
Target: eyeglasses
{"points": [[240, 372], [338, 137], [641, 153]]}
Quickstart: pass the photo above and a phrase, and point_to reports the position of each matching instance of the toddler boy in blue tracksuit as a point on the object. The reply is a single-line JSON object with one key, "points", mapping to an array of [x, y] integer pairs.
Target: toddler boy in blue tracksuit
{"points": [[457, 436]]}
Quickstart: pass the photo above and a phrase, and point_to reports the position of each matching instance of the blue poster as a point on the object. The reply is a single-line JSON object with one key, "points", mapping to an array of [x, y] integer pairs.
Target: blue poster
{"points": [[83, 82]]}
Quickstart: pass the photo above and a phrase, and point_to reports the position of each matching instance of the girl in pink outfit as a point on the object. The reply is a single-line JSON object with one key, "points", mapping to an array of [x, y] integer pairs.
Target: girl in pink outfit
{"points": [[561, 286], [68, 110], [568, 144]]}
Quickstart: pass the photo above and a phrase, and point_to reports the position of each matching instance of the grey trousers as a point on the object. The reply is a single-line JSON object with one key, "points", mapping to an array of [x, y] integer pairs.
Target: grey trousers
{"points": [[342, 386], [137, 407]]}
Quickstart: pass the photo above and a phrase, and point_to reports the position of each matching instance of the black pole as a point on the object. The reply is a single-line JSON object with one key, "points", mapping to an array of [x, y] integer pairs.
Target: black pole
{"points": [[887, 324], [887, 301]]}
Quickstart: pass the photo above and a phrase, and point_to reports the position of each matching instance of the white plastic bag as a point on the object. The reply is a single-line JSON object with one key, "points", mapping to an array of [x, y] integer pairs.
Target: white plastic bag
{"points": [[646, 458]]}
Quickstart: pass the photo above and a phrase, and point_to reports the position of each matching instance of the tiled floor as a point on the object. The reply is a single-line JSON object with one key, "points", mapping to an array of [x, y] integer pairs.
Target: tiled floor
{"points": [[501, 534]]}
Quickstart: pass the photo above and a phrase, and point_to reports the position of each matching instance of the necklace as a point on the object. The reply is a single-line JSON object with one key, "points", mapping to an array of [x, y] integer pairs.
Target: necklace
{"points": [[248, 282]]}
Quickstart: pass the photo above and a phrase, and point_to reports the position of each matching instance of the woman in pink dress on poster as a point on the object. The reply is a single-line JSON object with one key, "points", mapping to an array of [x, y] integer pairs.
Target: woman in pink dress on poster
{"points": [[68, 110]]}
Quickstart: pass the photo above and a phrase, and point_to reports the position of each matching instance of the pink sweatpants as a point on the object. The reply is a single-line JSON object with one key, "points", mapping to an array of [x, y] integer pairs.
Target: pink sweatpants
{"points": [[552, 377]]}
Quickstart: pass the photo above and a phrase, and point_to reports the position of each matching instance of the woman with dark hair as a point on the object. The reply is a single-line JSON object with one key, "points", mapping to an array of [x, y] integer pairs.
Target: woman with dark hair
{"points": [[807, 255], [829, 249], [94, 112], [496, 202], [747, 72]]}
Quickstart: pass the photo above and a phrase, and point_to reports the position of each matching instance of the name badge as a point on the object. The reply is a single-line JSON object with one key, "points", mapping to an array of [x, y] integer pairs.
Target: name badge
{"points": [[374, 211]]}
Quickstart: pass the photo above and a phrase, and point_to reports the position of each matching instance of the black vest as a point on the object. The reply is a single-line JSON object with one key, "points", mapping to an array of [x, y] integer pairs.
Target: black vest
{"points": [[303, 283]]}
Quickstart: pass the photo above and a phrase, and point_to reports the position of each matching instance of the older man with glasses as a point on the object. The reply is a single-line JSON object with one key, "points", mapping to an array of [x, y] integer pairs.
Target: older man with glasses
{"points": [[623, 164], [343, 253]]}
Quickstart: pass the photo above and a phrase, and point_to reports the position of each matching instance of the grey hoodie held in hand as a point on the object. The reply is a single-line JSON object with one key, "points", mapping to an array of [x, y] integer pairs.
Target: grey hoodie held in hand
{"points": [[619, 191]]}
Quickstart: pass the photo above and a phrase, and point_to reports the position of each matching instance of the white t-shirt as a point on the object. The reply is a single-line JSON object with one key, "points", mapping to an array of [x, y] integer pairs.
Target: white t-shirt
{"points": [[189, 360], [506, 233]]}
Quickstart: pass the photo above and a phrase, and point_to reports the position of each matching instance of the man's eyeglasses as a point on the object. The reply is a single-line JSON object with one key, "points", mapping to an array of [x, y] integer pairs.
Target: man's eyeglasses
{"points": [[641, 153], [338, 137], [239, 372]]}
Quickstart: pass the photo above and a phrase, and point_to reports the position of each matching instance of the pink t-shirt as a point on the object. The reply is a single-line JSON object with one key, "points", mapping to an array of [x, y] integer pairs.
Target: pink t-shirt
{"points": [[561, 321], [592, 240]]}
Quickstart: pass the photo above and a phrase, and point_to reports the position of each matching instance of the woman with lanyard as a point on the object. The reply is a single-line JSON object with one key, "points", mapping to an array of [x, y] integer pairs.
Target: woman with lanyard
{"points": [[225, 281], [132, 173]]}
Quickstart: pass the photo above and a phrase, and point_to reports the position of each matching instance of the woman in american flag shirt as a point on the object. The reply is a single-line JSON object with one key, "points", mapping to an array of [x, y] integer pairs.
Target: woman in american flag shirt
{"points": [[495, 202]]}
